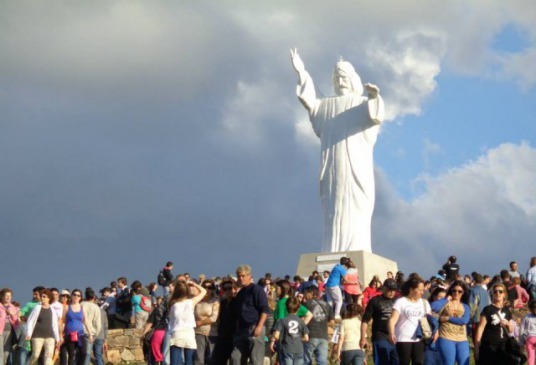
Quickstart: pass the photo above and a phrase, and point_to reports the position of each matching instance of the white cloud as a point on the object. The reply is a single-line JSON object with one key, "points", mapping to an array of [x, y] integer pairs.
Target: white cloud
{"points": [[520, 67], [408, 66], [253, 110], [129, 47], [165, 94], [484, 212]]}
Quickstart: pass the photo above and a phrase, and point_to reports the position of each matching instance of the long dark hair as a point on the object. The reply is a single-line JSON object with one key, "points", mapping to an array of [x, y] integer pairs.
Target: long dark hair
{"points": [[285, 287], [210, 286], [435, 293], [461, 284], [412, 283], [399, 278]]}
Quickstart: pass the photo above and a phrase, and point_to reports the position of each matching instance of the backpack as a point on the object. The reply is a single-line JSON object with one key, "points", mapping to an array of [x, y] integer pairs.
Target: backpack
{"points": [[161, 279], [146, 303]]}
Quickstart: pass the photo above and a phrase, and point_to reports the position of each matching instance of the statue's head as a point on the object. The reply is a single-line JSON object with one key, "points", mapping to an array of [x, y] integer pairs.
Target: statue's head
{"points": [[346, 80]]}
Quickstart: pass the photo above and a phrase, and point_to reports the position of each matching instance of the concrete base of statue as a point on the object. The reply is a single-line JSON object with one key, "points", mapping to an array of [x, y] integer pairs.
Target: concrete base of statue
{"points": [[367, 263]]}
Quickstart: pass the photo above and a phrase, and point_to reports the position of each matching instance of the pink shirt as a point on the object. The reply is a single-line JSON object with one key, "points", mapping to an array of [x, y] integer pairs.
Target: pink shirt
{"points": [[522, 297], [352, 277], [13, 313]]}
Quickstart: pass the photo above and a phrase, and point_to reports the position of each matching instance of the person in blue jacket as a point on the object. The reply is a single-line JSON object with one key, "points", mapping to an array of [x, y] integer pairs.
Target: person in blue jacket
{"points": [[454, 314], [432, 356]]}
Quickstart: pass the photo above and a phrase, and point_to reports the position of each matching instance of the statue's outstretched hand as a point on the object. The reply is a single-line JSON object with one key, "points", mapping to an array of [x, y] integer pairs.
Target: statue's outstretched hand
{"points": [[297, 62], [372, 90]]}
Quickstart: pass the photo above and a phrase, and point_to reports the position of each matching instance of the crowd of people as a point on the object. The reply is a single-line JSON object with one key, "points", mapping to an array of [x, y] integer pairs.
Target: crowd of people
{"points": [[205, 321]]}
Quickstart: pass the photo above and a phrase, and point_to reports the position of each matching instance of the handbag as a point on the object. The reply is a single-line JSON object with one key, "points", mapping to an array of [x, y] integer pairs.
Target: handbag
{"points": [[514, 351], [426, 332]]}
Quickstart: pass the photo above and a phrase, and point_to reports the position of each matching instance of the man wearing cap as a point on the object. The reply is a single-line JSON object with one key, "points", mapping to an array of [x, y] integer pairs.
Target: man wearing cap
{"points": [[65, 296], [379, 309]]}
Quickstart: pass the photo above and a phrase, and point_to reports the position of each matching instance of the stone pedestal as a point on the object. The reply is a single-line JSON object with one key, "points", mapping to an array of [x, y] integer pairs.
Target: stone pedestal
{"points": [[367, 263]]}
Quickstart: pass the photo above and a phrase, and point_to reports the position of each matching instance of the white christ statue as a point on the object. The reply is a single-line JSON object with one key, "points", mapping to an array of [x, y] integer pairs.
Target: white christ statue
{"points": [[347, 125]]}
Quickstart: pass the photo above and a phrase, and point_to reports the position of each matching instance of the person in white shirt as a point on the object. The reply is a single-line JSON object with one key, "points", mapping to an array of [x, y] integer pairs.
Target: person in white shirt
{"points": [[182, 322], [404, 321]]}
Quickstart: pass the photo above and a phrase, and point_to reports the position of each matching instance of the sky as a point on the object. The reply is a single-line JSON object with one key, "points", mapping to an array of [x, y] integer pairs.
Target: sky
{"points": [[133, 133]]}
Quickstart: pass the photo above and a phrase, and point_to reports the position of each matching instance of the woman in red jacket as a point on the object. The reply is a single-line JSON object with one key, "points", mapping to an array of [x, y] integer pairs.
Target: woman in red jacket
{"points": [[371, 291]]}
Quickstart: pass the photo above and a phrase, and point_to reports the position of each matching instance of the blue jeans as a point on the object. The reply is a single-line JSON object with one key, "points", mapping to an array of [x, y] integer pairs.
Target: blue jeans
{"points": [[290, 359], [385, 353], [453, 351], [432, 356], [165, 348], [178, 358], [532, 291], [89, 348], [22, 356], [245, 346], [98, 347], [318, 348], [352, 357]]}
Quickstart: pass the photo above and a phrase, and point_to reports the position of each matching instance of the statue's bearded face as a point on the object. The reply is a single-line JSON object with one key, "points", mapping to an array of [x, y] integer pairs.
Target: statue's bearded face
{"points": [[346, 80], [342, 83]]}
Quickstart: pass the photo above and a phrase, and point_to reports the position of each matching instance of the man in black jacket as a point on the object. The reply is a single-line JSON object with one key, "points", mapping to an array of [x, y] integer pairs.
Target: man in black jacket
{"points": [[452, 269], [251, 308]]}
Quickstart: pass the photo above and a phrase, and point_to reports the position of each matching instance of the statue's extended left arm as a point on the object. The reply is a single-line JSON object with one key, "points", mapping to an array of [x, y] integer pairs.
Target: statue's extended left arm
{"points": [[375, 103]]}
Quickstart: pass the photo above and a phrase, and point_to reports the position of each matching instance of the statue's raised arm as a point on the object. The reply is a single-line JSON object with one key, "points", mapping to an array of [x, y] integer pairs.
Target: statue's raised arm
{"points": [[298, 64], [305, 90]]}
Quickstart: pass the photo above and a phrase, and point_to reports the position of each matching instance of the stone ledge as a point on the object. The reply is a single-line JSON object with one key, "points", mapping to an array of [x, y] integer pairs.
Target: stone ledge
{"points": [[124, 347]]}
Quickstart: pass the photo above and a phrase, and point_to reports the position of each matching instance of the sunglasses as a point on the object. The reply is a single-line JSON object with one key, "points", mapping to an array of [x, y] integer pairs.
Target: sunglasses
{"points": [[457, 291], [498, 292], [77, 295]]}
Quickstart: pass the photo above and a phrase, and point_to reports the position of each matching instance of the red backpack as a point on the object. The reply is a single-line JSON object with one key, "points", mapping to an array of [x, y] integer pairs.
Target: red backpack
{"points": [[146, 303]]}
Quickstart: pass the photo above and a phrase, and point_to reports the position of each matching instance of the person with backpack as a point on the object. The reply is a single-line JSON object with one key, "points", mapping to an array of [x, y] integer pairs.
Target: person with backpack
{"points": [[165, 277], [142, 306]]}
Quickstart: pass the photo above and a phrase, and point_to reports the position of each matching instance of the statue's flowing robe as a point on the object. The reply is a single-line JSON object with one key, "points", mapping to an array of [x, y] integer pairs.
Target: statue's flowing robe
{"points": [[348, 127]]}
